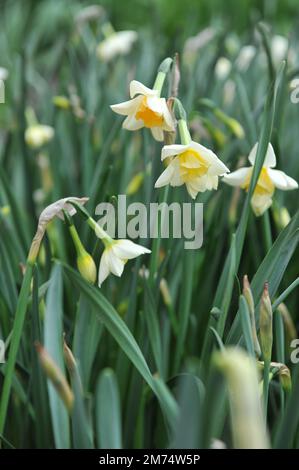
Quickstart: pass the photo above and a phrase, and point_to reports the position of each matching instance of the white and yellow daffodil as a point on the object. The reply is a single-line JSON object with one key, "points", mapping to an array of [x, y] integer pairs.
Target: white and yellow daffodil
{"points": [[146, 109], [117, 43], [38, 135], [192, 164], [268, 181], [115, 256]]}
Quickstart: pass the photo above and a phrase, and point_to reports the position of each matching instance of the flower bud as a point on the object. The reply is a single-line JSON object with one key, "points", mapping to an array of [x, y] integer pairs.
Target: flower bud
{"points": [[165, 292], [69, 358], [87, 267], [135, 183], [61, 102], [266, 327], [55, 375], [250, 302], [288, 322]]}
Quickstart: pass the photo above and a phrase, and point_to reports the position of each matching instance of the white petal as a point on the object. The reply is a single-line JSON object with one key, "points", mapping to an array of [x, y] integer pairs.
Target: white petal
{"points": [[127, 107], [125, 249], [236, 178], [217, 166], [191, 190], [132, 124], [270, 158], [155, 104], [260, 204], [157, 133], [281, 180], [104, 268], [165, 177], [138, 88], [172, 150], [116, 265]]}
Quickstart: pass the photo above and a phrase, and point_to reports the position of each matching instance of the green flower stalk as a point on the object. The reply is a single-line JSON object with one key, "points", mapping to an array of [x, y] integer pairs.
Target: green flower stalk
{"points": [[85, 262]]}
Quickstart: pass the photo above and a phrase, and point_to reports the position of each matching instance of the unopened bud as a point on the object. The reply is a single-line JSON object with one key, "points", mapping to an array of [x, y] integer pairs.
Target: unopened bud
{"points": [[55, 375], [135, 183], [288, 322], [69, 359], [165, 292], [61, 102], [250, 302], [266, 327], [285, 378], [87, 267]]}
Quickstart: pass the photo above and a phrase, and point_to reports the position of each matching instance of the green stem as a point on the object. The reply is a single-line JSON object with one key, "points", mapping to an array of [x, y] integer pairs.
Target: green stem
{"points": [[159, 82], [76, 239], [184, 132], [15, 343]]}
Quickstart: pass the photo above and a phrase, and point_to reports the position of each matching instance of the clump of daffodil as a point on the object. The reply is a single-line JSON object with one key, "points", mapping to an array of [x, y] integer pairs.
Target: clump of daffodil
{"points": [[37, 135], [192, 164], [116, 252], [269, 180], [85, 262], [147, 109]]}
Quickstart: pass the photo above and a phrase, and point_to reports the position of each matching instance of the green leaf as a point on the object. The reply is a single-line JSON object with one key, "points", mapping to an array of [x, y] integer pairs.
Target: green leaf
{"points": [[108, 412], [53, 336]]}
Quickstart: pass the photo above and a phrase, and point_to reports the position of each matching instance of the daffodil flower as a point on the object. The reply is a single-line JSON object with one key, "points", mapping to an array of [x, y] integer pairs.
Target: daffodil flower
{"points": [[146, 108], [116, 252], [115, 256], [269, 179], [192, 164], [118, 43], [38, 135]]}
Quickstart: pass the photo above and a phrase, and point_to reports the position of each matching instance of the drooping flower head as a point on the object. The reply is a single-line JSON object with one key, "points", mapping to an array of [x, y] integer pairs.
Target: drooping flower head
{"points": [[268, 181], [116, 252], [192, 164], [38, 135], [146, 108], [117, 43], [55, 209]]}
